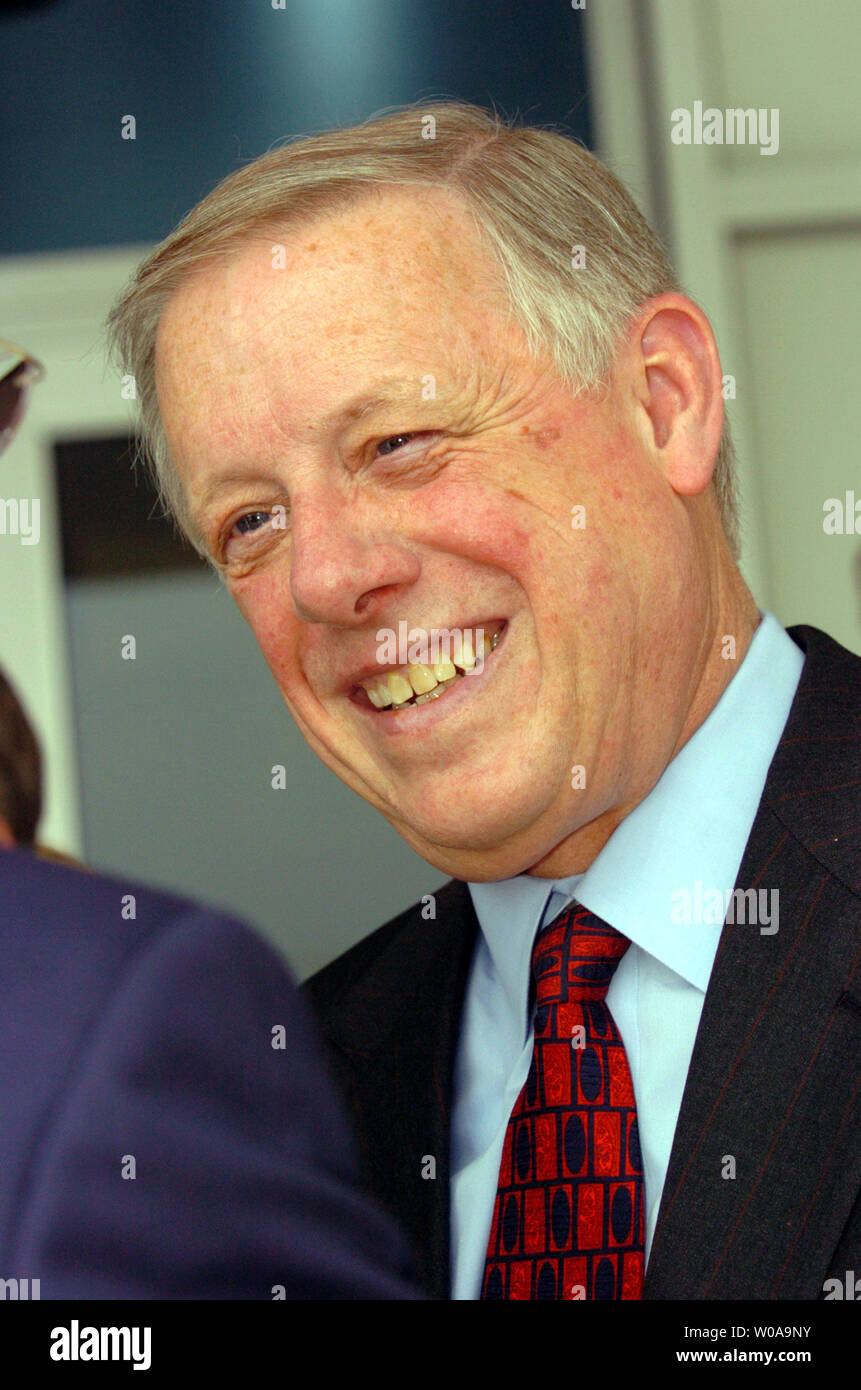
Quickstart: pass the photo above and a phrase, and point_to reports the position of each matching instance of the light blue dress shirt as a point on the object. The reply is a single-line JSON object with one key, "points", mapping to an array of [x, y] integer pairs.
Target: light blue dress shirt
{"points": [[686, 837]]}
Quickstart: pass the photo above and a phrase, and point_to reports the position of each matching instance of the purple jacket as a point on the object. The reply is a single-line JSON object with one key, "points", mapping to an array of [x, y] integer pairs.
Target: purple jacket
{"points": [[167, 1129]]}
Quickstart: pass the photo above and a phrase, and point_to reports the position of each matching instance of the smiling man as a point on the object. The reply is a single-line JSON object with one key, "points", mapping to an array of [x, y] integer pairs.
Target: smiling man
{"points": [[435, 374]]}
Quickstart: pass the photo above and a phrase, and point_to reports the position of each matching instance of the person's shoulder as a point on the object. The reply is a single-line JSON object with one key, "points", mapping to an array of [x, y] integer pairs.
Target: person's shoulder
{"points": [[829, 689], [411, 936], [168, 1038], [814, 779], [74, 944], [828, 657], [92, 923], [73, 893]]}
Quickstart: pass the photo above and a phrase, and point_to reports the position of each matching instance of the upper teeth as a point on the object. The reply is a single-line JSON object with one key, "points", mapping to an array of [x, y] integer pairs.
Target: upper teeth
{"points": [[397, 688]]}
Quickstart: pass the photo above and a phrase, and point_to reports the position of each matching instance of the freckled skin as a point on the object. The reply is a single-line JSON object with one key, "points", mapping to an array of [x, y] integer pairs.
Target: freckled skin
{"points": [[611, 658]]}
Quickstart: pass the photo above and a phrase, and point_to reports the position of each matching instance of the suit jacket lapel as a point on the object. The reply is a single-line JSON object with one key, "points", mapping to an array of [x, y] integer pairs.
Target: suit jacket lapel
{"points": [[397, 1066], [764, 1166]]}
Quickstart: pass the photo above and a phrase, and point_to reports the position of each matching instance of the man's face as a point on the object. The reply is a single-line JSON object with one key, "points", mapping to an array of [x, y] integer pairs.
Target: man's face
{"points": [[364, 440]]}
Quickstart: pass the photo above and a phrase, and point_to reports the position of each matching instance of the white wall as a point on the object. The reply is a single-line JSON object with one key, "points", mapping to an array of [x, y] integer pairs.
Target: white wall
{"points": [[178, 746], [770, 246]]}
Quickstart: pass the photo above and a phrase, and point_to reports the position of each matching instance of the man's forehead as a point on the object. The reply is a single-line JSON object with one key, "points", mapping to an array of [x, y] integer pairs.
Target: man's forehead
{"points": [[342, 307], [411, 244]]}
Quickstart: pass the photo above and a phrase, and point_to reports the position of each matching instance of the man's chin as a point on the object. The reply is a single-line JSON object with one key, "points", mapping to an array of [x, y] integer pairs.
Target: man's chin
{"points": [[471, 848]]}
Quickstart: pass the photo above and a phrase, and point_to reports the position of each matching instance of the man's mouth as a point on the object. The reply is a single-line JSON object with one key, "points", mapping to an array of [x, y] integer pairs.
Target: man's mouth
{"points": [[418, 682]]}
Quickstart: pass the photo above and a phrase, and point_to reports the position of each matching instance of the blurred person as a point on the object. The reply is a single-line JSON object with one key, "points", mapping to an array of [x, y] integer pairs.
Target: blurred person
{"points": [[20, 772], [21, 781], [167, 1129], [615, 1056]]}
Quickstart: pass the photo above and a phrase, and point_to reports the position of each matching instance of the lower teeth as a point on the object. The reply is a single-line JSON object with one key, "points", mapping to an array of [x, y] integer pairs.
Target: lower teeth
{"points": [[431, 694]]}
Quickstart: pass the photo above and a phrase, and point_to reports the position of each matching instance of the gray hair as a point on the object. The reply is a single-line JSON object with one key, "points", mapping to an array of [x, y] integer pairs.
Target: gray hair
{"points": [[534, 195]]}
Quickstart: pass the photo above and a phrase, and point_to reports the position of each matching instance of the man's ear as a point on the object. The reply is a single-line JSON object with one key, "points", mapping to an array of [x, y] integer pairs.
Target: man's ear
{"points": [[677, 381]]}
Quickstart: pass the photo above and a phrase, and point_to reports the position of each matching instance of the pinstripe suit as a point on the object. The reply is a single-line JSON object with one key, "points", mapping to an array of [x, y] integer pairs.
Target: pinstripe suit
{"points": [[774, 1077]]}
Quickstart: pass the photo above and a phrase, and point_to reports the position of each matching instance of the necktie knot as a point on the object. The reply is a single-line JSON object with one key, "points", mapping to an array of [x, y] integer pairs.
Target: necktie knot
{"points": [[575, 957]]}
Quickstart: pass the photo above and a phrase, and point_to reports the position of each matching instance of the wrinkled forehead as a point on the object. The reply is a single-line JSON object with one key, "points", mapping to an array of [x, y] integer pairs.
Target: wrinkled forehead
{"points": [[400, 280]]}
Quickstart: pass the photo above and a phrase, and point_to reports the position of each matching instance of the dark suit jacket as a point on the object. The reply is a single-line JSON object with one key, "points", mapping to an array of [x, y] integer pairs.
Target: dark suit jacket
{"points": [[774, 1076], [145, 1046]]}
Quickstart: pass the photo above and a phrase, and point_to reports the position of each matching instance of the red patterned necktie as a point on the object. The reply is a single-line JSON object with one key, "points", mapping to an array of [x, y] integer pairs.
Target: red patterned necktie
{"points": [[569, 1211]]}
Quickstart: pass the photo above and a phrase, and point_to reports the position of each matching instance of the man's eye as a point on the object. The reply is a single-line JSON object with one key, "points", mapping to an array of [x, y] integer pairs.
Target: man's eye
{"points": [[394, 439], [251, 521]]}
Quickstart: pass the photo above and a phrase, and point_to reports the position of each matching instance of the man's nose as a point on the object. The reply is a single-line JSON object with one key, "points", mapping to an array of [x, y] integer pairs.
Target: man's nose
{"points": [[342, 562]]}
